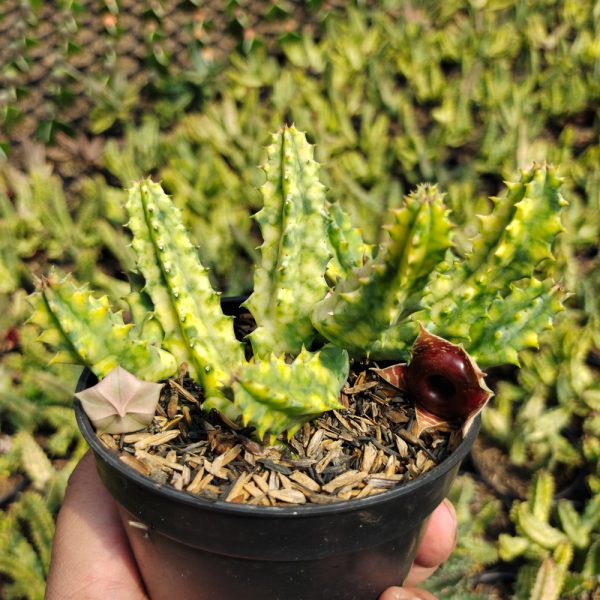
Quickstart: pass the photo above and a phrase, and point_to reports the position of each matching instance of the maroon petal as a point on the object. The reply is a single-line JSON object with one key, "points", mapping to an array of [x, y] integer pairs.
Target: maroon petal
{"points": [[394, 375], [425, 420], [444, 382]]}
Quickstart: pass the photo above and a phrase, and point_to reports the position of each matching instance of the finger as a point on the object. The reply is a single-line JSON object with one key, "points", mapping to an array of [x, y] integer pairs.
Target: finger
{"points": [[91, 557], [439, 538], [419, 574], [397, 593], [437, 544]]}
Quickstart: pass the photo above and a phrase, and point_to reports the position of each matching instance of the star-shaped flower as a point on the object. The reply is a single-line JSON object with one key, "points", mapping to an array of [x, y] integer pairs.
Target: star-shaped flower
{"points": [[120, 403], [443, 381]]}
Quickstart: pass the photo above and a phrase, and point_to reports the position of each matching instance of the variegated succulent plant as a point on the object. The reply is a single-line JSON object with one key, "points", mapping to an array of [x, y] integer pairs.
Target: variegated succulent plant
{"points": [[321, 294]]}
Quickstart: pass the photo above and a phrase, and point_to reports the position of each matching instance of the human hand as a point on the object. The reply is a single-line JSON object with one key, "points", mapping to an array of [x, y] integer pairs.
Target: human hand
{"points": [[92, 559], [436, 546]]}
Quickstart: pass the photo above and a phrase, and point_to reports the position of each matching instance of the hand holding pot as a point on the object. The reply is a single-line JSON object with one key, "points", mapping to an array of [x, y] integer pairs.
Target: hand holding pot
{"points": [[91, 556]]}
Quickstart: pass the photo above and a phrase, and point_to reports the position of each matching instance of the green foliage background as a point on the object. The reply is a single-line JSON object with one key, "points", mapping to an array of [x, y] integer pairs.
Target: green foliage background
{"points": [[462, 93]]}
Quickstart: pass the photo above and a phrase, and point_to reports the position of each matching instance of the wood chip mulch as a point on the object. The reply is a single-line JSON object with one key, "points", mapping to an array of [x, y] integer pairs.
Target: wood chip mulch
{"points": [[361, 450]]}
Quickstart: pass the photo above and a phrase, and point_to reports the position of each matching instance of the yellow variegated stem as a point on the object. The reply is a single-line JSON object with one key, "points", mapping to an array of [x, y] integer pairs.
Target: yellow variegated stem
{"points": [[490, 300], [84, 330], [377, 296], [349, 248], [196, 330], [275, 396], [290, 276]]}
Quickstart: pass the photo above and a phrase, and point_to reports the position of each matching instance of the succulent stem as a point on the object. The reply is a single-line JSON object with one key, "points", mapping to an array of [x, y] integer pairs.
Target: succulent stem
{"points": [[196, 331], [290, 276], [86, 331]]}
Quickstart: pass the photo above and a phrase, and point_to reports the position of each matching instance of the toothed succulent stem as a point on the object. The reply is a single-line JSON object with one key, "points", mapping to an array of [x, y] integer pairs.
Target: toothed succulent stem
{"points": [[492, 300], [196, 330], [86, 331], [26, 532], [375, 297], [550, 578], [544, 544], [348, 247], [33, 510], [276, 396], [289, 278]]}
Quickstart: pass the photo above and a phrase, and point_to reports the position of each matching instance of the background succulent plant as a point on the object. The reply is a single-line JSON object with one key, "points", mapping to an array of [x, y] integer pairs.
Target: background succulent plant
{"points": [[461, 94], [550, 548]]}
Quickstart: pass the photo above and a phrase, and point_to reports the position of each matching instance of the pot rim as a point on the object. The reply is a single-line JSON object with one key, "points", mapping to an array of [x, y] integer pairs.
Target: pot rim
{"points": [[247, 510]]}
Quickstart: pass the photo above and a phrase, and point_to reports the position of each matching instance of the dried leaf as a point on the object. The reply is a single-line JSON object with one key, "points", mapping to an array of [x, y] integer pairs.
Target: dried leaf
{"points": [[289, 496]]}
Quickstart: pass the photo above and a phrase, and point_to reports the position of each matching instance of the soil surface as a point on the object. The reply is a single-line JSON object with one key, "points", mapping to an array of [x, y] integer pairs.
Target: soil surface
{"points": [[364, 448]]}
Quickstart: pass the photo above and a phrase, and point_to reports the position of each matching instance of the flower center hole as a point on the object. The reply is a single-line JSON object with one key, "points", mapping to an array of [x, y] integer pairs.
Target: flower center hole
{"points": [[441, 386]]}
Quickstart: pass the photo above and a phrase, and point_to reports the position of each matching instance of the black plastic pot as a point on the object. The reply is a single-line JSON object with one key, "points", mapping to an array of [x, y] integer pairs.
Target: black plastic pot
{"points": [[195, 549]]}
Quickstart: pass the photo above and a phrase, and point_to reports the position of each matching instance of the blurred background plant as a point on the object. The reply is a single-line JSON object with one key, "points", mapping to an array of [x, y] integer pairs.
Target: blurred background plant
{"points": [[461, 92], [560, 544]]}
